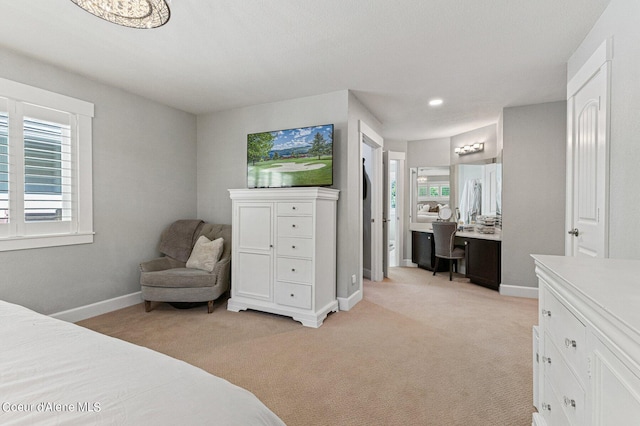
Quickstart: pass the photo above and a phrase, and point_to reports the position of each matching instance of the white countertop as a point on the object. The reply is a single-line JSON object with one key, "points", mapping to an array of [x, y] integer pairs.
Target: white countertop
{"points": [[426, 227]]}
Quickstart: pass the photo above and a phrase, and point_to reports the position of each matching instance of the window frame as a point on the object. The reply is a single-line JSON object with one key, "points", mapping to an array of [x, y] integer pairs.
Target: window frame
{"points": [[14, 236]]}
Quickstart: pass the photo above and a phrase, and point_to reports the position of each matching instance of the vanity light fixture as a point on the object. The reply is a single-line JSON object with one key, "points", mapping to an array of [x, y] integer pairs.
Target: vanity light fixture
{"points": [[469, 149], [129, 13]]}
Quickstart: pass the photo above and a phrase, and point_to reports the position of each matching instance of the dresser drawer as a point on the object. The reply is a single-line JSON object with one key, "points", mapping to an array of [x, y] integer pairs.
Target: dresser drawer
{"points": [[296, 295], [292, 226], [551, 407], [571, 395], [291, 209], [291, 246], [296, 270], [567, 332]]}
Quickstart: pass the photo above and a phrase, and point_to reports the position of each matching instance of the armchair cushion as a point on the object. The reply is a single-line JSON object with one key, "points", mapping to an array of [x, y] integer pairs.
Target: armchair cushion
{"points": [[178, 278], [206, 253]]}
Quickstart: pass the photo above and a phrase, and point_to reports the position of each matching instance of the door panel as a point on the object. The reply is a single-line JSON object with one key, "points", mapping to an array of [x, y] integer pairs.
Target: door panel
{"points": [[589, 216]]}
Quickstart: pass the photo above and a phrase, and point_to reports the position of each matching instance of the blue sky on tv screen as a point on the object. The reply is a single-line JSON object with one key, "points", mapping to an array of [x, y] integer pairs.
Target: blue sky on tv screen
{"points": [[300, 138]]}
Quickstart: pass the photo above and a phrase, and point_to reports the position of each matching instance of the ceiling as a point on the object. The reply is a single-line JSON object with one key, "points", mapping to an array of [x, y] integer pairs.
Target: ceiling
{"points": [[479, 56]]}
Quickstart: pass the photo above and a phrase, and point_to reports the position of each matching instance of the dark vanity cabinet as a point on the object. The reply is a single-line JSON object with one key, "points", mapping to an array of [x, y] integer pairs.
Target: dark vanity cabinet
{"points": [[423, 251], [482, 257], [482, 262]]}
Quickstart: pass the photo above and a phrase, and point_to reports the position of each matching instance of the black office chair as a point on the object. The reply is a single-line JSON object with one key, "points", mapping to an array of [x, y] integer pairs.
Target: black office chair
{"points": [[444, 234]]}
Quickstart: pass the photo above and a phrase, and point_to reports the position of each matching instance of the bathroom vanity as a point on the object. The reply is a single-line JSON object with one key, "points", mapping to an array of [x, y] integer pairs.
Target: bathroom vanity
{"points": [[482, 263]]}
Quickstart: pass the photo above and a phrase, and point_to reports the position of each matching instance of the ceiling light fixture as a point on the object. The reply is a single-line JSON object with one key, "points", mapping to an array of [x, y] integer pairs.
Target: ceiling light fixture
{"points": [[129, 13], [469, 149], [435, 102]]}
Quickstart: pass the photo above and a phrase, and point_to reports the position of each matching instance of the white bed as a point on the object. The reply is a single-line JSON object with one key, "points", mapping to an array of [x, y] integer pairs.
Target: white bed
{"points": [[53, 372]]}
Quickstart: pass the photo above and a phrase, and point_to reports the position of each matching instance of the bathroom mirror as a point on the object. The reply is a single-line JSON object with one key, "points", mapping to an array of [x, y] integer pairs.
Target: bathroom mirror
{"points": [[430, 190], [476, 190]]}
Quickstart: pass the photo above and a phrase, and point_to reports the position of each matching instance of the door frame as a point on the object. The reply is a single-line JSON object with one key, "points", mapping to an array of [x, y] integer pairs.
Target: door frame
{"points": [[371, 138], [600, 61]]}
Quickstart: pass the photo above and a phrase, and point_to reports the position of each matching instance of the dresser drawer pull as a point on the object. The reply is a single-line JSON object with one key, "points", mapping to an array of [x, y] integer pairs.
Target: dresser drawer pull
{"points": [[293, 269], [292, 295], [293, 207], [546, 359], [546, 313], [293, 247], [546, 406], [293, 226], [570, 343], [569, 402]]}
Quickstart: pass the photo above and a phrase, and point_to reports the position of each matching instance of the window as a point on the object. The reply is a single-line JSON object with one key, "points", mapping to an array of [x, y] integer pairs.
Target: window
{"points": [[45, 168], [439, 190]]}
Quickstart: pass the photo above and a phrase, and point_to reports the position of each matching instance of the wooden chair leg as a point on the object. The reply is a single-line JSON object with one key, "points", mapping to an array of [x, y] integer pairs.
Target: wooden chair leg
{"points": [[210, 306], [147, 306], [450, 269], [435, 268]]}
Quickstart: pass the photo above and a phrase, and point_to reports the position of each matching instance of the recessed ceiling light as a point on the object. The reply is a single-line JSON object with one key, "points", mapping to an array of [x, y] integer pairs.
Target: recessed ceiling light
{"points": [[435, 102]]}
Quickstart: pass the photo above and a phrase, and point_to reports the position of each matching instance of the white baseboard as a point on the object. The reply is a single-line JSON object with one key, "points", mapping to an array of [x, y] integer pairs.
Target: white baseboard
{"points": [[98, 308], [346, 303], [518, 291], [408, 263]]}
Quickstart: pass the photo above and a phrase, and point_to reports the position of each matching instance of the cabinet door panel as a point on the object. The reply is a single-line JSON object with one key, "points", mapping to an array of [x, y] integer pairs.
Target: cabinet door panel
{"points": [[255, 229], [482, 262], [253, 279]]}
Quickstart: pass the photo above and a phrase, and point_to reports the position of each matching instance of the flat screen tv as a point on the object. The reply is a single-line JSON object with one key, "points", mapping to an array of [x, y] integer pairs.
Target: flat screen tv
{"points": [[289, 158]]}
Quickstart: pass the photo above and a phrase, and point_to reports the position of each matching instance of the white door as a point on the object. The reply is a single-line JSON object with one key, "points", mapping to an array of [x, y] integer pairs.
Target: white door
{"points": [[587, 222]]}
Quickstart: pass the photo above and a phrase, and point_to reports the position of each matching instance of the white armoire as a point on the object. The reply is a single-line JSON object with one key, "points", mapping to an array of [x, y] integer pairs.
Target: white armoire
{"points": [[284, 252]]}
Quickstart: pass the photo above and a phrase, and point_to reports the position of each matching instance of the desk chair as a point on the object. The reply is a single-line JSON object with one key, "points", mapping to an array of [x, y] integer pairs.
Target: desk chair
{"points": [[444, 234]]}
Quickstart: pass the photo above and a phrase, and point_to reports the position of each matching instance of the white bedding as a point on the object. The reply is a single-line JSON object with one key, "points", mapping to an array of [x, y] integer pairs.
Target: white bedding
{"points": [[53, 372]]}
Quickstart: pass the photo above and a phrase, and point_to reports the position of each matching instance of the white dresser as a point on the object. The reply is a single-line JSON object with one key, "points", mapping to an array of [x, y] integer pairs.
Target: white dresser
{"points": [[587, 363], [284, 252]]}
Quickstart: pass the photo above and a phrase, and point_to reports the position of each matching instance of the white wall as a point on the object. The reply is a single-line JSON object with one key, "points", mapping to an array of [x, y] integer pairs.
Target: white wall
{"points": [[620, 21], [533, 188], [144, 160], [486, 135], [428, 152]]}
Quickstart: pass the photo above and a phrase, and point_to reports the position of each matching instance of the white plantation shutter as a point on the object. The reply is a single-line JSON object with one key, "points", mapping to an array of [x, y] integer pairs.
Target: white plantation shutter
{"points": [[45, 168], [4, 168]]}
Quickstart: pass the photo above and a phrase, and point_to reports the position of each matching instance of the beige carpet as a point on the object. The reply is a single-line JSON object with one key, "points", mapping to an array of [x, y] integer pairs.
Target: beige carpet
{"points": [[418, 350]]}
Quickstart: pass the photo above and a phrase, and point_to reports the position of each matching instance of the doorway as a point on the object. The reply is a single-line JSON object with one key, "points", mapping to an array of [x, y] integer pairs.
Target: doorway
{"points": [[394, 209], [371, 255]]}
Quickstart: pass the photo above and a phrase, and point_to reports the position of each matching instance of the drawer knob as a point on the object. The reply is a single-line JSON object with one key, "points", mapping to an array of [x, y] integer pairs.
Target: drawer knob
{"points": [[546, 406], [569, 402], [293, 247], [293, 226], [570, 343], [546, 313], [292, 295], [294, 207], [293, 269], [546, 359]]}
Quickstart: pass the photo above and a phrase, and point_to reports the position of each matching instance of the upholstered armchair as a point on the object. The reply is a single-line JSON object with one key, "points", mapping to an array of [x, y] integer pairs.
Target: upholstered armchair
{"points": [[193, 269]]}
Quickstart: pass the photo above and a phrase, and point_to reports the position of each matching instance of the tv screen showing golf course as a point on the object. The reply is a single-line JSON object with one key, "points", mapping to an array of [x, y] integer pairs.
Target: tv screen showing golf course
{"points": [[292, 157]]}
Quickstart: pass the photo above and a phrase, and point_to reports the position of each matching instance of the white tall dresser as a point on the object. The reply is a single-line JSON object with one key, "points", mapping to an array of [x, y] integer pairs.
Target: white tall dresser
{"points": [[587, 364], [284, 252]]}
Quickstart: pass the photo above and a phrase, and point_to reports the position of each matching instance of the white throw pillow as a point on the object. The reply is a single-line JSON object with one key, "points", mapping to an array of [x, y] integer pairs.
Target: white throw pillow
{"points": [[425, 208], [205, 253]]}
